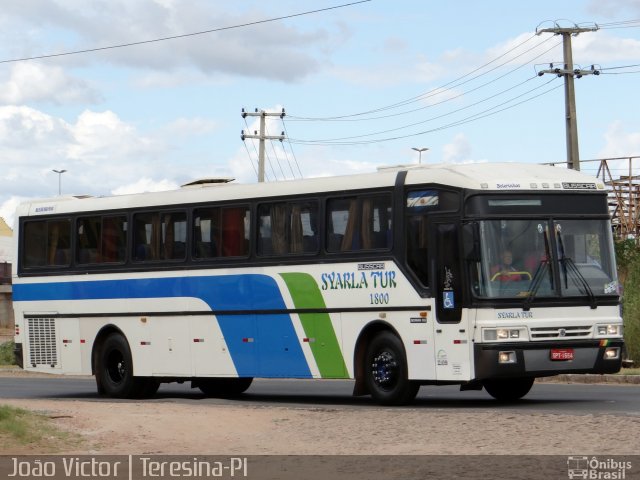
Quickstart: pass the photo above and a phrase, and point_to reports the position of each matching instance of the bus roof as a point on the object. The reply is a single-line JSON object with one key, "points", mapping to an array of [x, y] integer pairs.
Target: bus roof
{"points": [[477, 176]]}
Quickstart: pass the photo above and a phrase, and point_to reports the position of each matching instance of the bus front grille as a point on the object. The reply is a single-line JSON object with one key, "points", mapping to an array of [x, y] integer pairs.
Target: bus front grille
{"points": [[546, 333], [42, 341]]}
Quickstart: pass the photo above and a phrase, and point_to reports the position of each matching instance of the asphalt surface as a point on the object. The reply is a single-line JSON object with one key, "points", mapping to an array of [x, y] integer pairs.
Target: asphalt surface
{"points": [[556, 397]]}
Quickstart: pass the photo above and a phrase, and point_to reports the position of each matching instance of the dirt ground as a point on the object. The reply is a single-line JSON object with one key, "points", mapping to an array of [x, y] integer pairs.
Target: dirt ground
{"points": [[151, 427]]}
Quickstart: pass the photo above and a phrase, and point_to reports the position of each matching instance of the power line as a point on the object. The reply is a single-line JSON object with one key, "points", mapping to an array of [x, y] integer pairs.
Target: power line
{"points": [[250, 159], [621, 24], [284, 127], [483, 114], [193, 34], [453, 83], [620, 73], [436, 91], [623, 66], [284, 175], [440, 90], [444, 114]]}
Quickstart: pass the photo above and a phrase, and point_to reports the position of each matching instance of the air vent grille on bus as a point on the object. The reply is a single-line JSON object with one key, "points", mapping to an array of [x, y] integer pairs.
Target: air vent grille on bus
{"points": [[42, 341], [542, 333]]}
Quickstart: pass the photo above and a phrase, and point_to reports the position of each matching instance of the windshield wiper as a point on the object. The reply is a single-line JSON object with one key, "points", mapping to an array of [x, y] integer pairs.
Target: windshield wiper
{"points": [[568, 265], [536, 281]]}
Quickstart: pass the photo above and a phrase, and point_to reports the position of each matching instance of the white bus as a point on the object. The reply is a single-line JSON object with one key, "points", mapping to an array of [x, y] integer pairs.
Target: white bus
{"points": [[393, 279]]}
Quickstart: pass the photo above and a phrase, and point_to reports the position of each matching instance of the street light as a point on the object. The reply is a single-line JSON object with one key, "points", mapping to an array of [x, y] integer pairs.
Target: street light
{"points": [[420, 150], [59, 172]]}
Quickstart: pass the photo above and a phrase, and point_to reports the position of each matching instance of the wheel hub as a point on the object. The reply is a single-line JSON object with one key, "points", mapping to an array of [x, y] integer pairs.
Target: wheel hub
{"points": [[383, 368]]}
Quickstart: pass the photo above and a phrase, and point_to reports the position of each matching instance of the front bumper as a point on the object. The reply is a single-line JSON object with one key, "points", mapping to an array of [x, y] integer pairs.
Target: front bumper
{"points": [[534, 359]]}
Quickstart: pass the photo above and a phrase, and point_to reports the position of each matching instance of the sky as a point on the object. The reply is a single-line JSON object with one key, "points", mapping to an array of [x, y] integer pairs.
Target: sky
{"points": [[361, 86]]}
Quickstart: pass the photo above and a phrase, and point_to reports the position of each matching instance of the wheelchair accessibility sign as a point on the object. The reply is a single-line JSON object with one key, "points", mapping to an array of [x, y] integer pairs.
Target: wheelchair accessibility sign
{"points": [[447, 300]]}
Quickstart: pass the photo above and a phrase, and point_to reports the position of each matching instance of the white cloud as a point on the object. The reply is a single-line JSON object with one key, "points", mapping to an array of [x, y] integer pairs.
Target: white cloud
{"points": [[104, 137], [285, 53], [99, 151], [28, 82], [600, 48], [145, 185], [458, 151], [619, 142]]}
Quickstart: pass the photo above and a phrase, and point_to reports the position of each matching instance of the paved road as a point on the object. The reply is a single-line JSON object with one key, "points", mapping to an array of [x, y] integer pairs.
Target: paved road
{"points": [[548, 397]]}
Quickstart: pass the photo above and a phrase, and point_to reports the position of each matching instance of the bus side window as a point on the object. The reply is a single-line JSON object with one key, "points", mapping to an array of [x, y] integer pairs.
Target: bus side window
{"points": [[287, 228], [47, 243], [35, 244], [235, 231], [359, 223], [101, 239], [206, 232]]}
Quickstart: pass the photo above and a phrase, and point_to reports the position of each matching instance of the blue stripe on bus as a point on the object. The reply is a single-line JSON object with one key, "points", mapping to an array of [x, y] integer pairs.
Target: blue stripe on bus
{"points": [[275, 351]]}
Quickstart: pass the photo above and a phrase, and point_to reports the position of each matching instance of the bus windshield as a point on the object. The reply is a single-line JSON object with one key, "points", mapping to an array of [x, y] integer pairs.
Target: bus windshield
{"points": [[544, 258]]}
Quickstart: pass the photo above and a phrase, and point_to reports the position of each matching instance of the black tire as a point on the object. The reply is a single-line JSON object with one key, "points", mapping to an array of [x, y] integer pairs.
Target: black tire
{"points": [[386, 372], [223, 387], [508, 389], [114, 371]]}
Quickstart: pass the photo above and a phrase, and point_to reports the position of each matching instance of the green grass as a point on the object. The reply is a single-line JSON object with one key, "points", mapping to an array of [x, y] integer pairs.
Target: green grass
{"points": [[630, 371], [628, 259], [19, 428], [6, 354]]}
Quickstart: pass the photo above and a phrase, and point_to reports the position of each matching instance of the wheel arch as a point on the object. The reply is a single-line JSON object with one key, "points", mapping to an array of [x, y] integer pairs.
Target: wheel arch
{"points": [[99, 341], [368, 332]]}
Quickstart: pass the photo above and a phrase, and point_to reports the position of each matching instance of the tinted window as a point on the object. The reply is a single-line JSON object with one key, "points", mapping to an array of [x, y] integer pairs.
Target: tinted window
{"points": [[159, 236], [288, 228], [46, 243], [221, 232], [101, 239], [359, 223]]}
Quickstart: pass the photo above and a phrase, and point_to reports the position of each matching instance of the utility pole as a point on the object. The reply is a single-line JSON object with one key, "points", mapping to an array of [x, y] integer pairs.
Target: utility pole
{"points": [[261, 136], [571, 122]]}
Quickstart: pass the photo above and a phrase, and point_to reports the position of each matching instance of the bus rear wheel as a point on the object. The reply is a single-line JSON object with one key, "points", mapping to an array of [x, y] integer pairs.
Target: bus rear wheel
{"points": [[223, 387], [114, 371], [386, 372], [508, 389]]}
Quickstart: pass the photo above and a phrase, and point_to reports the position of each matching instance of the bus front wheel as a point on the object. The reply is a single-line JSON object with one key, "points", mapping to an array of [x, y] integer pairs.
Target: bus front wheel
{"points": [[508, 389], [386, 372]]}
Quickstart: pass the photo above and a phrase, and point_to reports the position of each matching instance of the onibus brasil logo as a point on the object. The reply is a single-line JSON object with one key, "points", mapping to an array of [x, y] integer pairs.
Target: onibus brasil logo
{"points": [[597, 468]]}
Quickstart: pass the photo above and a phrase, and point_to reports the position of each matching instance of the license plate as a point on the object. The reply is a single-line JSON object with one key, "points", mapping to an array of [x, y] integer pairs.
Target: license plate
{"points": [[561, 354]]}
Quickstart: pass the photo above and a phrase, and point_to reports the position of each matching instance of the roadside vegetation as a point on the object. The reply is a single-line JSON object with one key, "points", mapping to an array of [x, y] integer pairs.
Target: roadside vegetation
{"points": [[628, 258], [6, 354], [22, 431]]}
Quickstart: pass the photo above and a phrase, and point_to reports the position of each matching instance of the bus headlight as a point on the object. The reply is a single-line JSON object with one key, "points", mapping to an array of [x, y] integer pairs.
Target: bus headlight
{"points": [[612, 353], [614, 330], [507, 357], [500, 334]]}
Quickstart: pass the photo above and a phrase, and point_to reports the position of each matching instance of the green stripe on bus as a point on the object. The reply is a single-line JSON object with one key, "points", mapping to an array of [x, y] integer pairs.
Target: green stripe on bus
{"points": [[317, 326]]}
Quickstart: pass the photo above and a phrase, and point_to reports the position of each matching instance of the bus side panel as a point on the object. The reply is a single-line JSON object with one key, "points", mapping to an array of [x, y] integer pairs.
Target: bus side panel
{"points": [[72, 347], [170, 346], [209, 351]]}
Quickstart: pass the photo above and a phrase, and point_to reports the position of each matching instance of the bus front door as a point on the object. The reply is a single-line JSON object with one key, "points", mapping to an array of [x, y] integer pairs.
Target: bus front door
{"points": [[453, 350]]}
